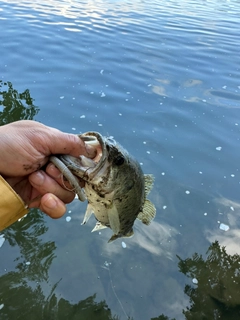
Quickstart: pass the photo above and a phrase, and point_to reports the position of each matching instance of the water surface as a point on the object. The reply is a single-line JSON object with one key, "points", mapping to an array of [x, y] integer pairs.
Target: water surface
{"points": [[163, 79]]}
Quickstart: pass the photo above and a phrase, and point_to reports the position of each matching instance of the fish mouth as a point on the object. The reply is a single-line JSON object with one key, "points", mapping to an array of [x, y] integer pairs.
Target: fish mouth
{"points": [[84, 167]]}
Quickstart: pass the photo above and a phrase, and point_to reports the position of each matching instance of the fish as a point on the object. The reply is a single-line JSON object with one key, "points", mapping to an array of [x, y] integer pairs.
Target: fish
{"points": [[115, 186]]}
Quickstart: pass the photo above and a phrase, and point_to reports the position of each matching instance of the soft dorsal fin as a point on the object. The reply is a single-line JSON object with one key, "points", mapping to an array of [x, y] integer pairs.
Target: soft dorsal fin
{"points": [[148, 212], [148, 180]]}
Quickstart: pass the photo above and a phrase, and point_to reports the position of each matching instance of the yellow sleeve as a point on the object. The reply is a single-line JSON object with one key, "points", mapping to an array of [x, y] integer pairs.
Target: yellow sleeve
{"points": [[12, 206]]}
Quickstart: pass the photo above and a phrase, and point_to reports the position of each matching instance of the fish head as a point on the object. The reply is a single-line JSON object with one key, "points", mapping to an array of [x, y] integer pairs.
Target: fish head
{"points": [[110, 169]]}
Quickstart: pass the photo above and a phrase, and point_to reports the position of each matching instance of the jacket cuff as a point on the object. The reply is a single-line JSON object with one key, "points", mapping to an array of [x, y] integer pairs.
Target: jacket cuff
{"points": [[12, 206]]}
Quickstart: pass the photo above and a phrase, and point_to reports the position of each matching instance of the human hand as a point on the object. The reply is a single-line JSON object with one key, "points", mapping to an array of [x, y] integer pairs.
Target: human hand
{"points": [[25, 148]]}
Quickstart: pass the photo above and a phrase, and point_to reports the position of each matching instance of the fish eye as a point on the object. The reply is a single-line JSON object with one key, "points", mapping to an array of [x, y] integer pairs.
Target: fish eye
{"points": [[119, 160]]}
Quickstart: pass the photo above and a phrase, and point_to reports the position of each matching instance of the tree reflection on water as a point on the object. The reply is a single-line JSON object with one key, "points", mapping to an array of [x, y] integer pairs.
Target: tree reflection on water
{"points": [[15, 105], [217, 293], [34, 305]]}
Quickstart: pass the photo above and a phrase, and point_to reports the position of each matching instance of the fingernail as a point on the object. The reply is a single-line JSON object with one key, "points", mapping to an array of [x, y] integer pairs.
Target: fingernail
{"points": [[91, 151], [50, 202], [53, 171], [37, 178]]}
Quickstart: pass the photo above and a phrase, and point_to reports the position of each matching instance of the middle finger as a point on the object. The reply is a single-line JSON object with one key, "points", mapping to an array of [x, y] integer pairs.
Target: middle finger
{"points": [[44, 183]]}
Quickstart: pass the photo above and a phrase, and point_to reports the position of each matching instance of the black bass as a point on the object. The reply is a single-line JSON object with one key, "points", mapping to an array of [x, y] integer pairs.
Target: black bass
{"points": [[115, 186]]}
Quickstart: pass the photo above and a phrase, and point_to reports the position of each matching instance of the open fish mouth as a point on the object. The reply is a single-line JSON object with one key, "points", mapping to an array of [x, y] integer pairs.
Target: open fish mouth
{"points": [[84, 167]]}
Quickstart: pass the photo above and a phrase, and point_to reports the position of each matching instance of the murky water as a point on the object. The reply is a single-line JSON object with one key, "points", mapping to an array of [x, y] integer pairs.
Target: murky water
{"points": [[164, 80]]}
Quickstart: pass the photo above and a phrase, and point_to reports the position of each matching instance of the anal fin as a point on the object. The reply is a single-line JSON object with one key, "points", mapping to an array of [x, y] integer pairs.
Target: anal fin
{"points": [[98, 226]]}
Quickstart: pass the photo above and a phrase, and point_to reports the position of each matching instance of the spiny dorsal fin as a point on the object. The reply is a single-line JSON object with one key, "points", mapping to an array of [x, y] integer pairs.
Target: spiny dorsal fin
{"points": [[129, 234], [116, 236], [113, 237], [148, 179], [148, 212]]}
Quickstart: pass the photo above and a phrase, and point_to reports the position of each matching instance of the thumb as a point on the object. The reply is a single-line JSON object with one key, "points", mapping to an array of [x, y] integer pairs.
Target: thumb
{"points": [[67, 143]]}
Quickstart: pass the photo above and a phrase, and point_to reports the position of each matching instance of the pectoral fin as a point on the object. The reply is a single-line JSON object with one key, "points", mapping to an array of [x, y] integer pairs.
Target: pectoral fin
{"points": [[148, 212], [113, 218]]}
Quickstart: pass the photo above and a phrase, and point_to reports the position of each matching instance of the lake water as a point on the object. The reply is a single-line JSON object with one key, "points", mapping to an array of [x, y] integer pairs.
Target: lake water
{"points": [[163, 78]]}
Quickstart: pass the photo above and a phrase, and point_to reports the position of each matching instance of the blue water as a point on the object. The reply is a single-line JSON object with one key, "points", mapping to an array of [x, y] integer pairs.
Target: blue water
{"points": [[163, 78]]}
